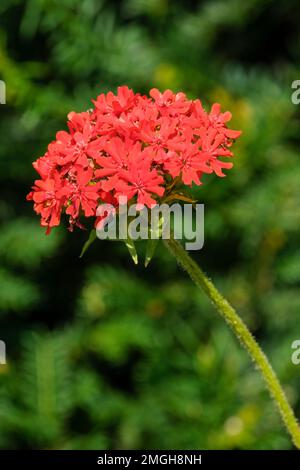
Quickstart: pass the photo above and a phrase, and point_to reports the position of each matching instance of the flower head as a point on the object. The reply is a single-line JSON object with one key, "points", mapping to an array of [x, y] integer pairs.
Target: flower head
{"points": [[129, 145]]}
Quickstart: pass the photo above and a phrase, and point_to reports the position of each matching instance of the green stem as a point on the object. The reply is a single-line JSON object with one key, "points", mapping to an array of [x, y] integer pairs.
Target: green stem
{"points": [[243, 334]]}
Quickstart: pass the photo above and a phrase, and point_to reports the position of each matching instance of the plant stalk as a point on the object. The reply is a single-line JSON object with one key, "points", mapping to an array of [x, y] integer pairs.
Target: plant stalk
{"points": [[243, 335]]}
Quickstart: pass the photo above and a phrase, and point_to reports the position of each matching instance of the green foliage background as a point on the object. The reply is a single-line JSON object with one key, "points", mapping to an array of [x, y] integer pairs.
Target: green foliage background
{"points": [[101, 354]]}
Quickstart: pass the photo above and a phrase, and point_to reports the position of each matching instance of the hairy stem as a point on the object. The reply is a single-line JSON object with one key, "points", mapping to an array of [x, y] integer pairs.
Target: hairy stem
{"points": [[243, 334]]}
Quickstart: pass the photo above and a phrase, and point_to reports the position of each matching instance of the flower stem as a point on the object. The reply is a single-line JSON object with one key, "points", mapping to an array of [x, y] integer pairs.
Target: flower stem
{"points": [[242, 333]]}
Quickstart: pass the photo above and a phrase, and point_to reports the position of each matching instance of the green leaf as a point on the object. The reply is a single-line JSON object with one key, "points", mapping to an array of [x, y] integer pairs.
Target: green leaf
{"points": [[180, 197], [91, 239], [132, 250], [155, 235], [150, 250]]}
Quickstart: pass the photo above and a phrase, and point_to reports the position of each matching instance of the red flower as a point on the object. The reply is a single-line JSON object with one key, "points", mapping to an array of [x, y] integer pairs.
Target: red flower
{"points": [[48, 196], [84, 194], [189, 163], [111, 104], [45, 166], [213, 146], [169, 103], [114, 160], [160, 134], [129, 145], [76, 148], [140, 179], [218, 121]]}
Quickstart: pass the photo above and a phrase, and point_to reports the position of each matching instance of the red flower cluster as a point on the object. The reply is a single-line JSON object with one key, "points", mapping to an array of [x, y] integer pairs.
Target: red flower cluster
{"points": [[129, 145]]}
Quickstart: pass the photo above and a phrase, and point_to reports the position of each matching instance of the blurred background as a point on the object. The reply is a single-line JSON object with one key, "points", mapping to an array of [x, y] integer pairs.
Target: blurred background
{"points": [[104, 355]]}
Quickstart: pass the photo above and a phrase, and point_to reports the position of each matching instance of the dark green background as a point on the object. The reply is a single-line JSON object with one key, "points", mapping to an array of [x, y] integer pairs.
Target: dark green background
{"points": [[105, 355]]}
